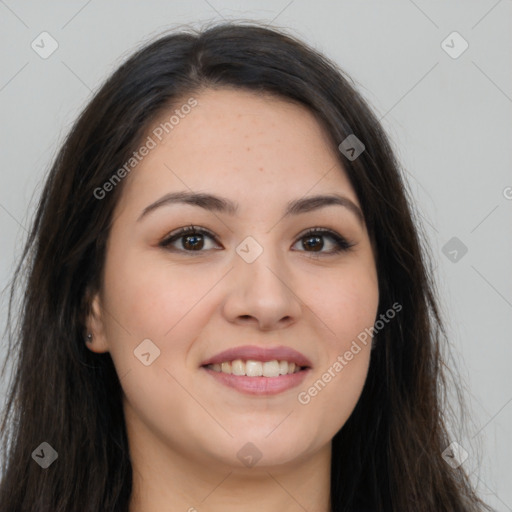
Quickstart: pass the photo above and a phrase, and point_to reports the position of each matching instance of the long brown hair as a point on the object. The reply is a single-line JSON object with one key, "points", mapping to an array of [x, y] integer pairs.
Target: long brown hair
{"points": [[386, 457]]}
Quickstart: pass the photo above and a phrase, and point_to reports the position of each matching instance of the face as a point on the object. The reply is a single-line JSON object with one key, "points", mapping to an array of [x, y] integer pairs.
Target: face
{"points": [[254, 279]]}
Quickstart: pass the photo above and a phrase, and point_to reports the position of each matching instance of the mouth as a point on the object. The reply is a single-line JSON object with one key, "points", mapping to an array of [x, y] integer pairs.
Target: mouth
{"points": [[252, 368], [259, 371]]}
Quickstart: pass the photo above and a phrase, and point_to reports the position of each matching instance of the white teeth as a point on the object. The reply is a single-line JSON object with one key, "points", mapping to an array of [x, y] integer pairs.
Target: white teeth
{"points": [[271, 369], [238, 367], [225, 368], [253, 368]]}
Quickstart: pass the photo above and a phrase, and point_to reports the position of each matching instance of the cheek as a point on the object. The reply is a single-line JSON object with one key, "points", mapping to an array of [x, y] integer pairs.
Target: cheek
{"points": [[152, 296], [346, 303], [149, 299], [348, 307]]}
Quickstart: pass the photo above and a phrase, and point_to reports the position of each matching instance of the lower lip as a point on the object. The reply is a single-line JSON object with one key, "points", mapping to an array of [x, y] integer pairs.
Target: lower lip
{"points": [[259, 385]]}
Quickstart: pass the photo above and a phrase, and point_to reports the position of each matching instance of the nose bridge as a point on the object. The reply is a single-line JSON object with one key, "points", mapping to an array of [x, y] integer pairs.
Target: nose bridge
{"points": [[261, 260], [262, 286]]}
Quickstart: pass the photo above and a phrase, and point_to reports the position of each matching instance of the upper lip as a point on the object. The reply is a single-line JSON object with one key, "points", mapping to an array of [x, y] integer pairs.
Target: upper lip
{"points": [[262, 354]]}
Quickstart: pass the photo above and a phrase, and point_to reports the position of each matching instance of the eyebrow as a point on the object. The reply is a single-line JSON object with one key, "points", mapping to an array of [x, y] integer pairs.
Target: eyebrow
{"points": [[214, 203]]}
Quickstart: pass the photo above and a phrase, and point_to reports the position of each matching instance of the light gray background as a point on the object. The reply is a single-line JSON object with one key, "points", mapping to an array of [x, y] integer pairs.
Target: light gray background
{"points": [[449, 120]]}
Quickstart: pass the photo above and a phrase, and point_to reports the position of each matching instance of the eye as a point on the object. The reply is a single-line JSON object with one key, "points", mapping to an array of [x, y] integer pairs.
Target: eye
{"points": [[193, 240], [313, 239]]}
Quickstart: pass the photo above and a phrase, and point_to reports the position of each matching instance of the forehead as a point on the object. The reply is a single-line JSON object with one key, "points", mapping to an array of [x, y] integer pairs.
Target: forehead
{"points": [[255, 148]]}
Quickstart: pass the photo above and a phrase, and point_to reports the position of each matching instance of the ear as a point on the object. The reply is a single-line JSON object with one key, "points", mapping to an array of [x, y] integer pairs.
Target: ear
{"points": [[95, 326]]}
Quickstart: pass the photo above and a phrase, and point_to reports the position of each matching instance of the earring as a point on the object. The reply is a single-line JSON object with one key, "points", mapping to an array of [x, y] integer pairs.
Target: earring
{"points": [[89, 336]]}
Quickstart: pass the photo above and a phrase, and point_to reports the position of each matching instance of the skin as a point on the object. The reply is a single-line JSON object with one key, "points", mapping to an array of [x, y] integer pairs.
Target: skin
{"points": [[184, 427]]}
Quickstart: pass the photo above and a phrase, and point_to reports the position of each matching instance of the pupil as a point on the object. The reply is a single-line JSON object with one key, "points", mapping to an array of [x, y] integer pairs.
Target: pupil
{"points": [[317, 241], [194, 244]]}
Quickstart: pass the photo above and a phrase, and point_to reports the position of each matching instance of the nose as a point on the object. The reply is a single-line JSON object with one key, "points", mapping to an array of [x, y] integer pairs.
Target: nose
{"points": [[262, 293]]}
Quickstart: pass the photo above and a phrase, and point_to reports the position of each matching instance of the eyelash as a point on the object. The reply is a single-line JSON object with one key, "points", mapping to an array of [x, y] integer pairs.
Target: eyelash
{"points": [[342, 245]]}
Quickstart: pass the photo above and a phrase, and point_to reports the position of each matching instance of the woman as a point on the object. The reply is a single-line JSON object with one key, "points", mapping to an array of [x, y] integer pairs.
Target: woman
{"points": [[227, 303]]}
